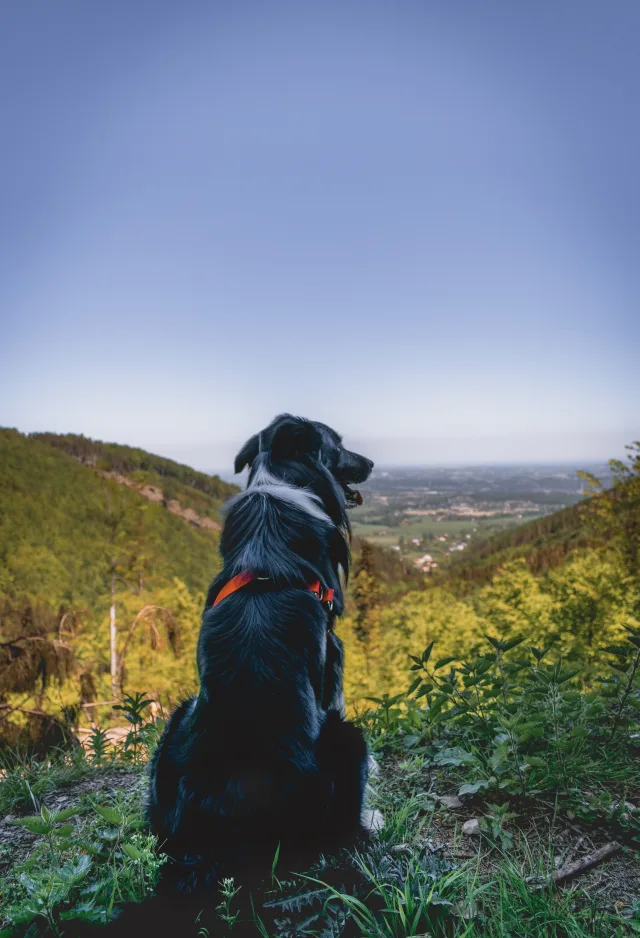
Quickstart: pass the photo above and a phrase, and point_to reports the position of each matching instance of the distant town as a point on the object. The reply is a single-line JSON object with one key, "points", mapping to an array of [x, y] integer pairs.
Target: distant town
{"points": [[427, 514]]}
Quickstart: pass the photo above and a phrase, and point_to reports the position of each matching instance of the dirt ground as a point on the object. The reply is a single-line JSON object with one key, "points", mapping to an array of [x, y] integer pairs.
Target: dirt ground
{"points": [[16, 843]]}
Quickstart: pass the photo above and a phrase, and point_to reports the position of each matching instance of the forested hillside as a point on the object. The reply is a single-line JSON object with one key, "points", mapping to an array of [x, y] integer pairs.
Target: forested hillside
{"points": [[569, 581], [115, 457], [86, 526]]}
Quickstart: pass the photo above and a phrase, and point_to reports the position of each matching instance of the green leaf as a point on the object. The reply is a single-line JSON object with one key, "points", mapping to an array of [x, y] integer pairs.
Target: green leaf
{"points": [[512, 643], [436, 706], [528, 731], [426, 654], [36, 825], [65, 814], [565, 676], [75, 870], [29, 884], [473, 789], [441, 662], [414, 684], [132, 851], [112, 815], [455, 756], [424, 690]]}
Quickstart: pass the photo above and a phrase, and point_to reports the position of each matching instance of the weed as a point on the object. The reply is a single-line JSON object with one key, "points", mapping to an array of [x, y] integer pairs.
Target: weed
{"points": [[133, 707], [228, 892]]}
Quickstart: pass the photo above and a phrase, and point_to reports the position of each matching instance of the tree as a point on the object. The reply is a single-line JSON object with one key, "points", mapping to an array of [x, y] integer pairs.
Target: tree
{"points": [[127, 556], [514, 603], [366, 591], [33, 654], [615, 513]]}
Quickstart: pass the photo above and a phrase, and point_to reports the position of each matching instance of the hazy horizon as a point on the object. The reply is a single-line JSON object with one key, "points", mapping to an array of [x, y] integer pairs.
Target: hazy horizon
{"points": [[514, 449], [397, 453]]}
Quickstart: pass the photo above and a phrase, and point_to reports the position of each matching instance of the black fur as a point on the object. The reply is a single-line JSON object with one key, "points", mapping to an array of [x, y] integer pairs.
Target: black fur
{"points": [[263, 756]]}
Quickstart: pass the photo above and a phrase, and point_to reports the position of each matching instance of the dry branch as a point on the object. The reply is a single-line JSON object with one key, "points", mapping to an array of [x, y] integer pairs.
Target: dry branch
{"points": [[569, 870]]}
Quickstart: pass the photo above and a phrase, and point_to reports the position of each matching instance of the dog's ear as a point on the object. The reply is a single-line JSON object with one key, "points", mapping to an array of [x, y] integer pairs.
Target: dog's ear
{"points": [[295, 438], [247, 454]]}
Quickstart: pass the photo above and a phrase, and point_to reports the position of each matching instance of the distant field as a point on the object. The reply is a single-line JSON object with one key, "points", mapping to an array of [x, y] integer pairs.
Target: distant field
{"points": [[389, 535]]}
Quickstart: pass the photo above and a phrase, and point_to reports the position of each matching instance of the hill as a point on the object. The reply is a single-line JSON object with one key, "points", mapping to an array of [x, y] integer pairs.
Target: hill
{"points": [[93, 534], [60, 498], [543, 543], [564, 581], [175, 479]]}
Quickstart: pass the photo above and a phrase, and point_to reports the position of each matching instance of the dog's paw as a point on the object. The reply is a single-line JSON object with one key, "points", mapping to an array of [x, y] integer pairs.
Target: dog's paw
{"points": [[374, 768], [372, 820]]}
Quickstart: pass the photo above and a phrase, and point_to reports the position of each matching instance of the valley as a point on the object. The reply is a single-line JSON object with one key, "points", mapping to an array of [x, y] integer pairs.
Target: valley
{"points": [[428, 515]]}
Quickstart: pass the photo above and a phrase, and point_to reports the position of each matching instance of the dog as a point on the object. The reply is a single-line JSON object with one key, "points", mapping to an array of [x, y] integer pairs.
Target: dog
{"points": [[262, 762]]}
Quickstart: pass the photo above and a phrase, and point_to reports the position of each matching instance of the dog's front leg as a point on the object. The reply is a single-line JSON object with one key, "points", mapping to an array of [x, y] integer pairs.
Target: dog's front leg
{"points": [[333, 691], [342, 756]]}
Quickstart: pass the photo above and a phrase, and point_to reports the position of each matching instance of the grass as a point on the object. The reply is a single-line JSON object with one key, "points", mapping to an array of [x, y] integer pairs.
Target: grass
{"points": [[510, 739], [25, 781], [86, 858], [93, 855]]}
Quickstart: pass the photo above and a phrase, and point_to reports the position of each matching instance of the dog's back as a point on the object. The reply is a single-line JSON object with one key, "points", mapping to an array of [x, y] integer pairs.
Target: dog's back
{"points": [[237, 771]]}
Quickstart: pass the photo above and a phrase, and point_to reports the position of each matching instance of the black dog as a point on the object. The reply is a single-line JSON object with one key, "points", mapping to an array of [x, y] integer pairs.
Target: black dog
{"points": [[263, 758]]}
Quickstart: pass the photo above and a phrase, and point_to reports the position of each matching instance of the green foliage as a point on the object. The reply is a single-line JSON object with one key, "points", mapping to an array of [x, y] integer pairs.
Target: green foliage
{"points": [[81, 870], [412, 896], [228, 892], [512, 721], [24, 781], [55, 529], [67, 535], [99, 746], [141, 737]]}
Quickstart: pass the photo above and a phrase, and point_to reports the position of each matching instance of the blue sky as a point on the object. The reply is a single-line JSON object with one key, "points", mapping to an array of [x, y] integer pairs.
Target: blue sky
{"points": [[419, 222]]}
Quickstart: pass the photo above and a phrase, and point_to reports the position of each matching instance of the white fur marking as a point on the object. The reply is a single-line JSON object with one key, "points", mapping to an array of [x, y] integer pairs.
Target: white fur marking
{"points": [[374, 768], [265, 483]]}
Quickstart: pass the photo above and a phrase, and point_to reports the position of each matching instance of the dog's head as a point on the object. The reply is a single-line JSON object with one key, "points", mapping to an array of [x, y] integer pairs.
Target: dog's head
{"points": [[306, 453]]}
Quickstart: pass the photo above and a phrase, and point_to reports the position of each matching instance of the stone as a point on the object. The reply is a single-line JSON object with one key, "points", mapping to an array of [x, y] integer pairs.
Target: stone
{"points": [[471, 828], [449, 801]]}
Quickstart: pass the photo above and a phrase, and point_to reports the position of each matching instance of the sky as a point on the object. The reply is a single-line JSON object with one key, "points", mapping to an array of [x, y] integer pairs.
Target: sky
{"points": [[417, 222]]}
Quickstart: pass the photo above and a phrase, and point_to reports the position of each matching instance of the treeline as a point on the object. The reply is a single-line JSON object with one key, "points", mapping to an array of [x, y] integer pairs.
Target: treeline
{"points": [[394, 574], [114, 457]]}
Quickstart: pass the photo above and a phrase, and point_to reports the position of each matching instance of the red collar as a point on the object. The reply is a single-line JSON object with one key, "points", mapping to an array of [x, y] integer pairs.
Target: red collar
{"points": [[241, 579]]}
